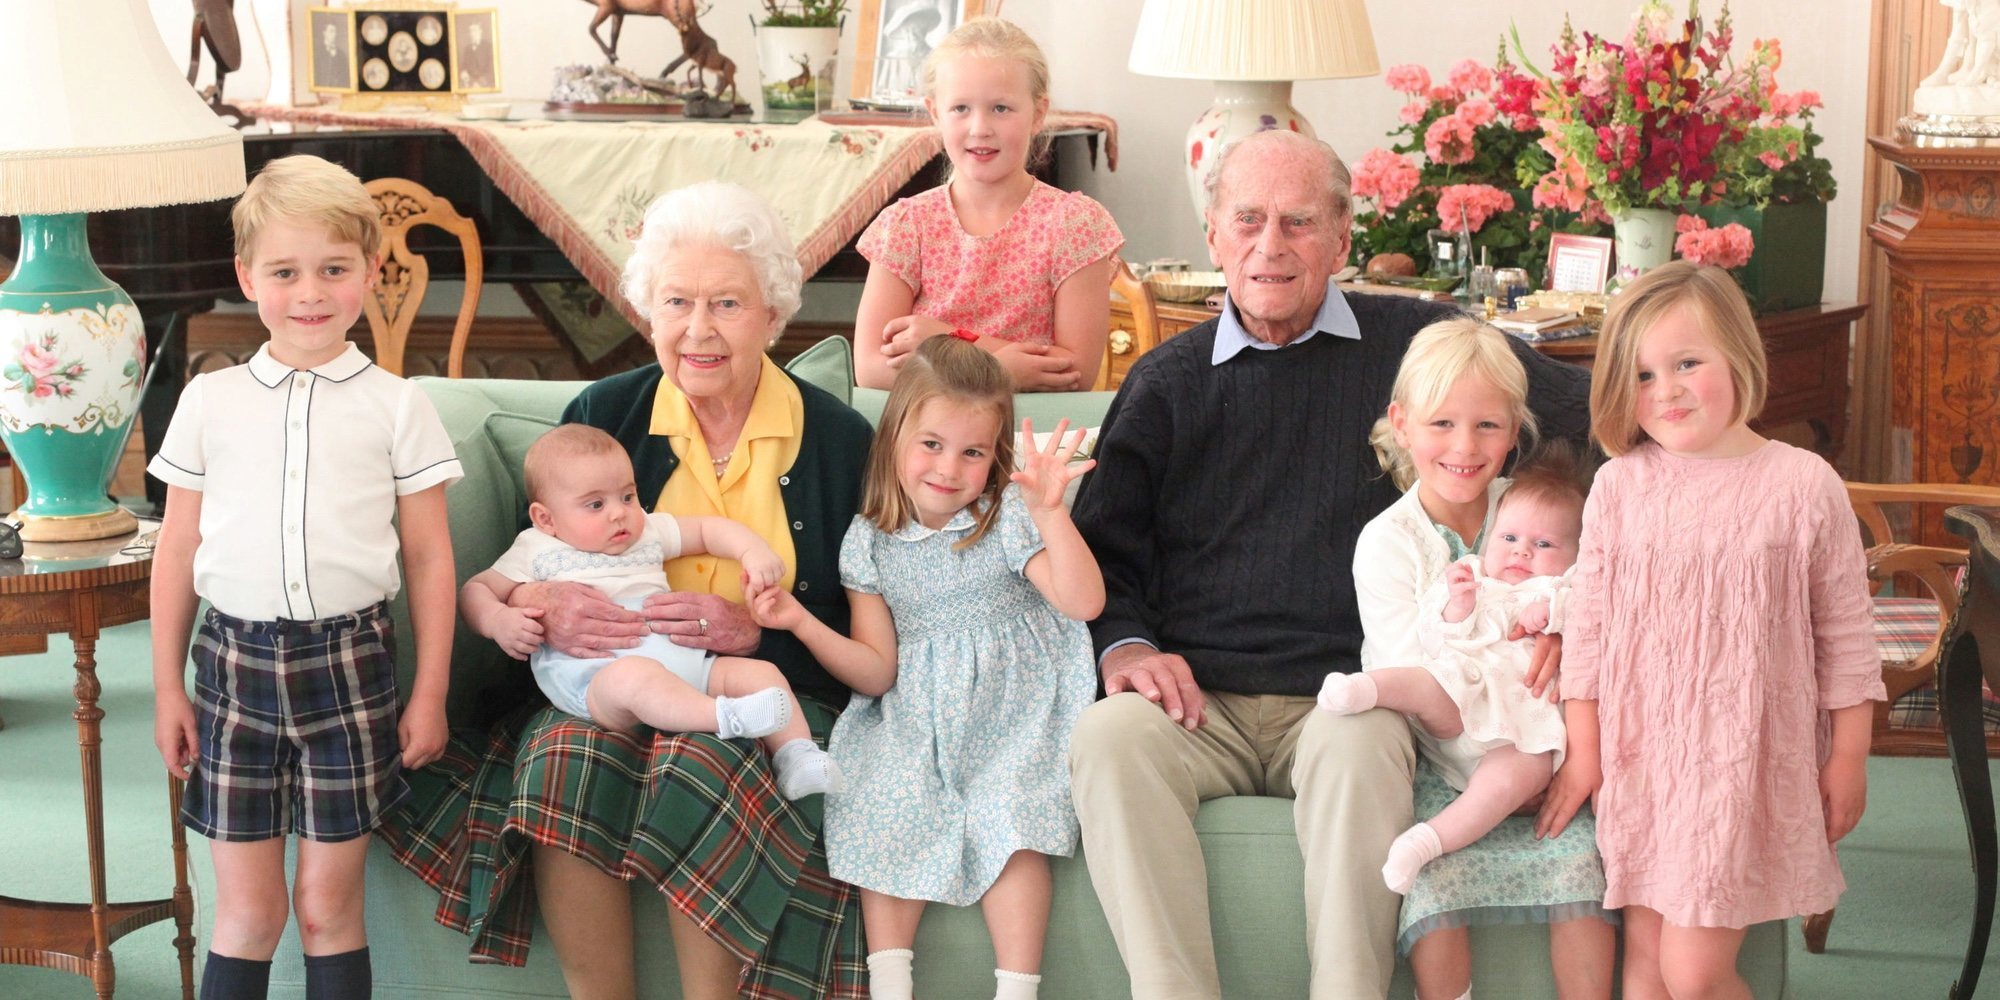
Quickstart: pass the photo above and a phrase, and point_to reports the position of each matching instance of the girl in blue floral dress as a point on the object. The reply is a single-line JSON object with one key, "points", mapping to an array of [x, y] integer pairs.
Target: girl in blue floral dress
{"points": [[969, 661]]}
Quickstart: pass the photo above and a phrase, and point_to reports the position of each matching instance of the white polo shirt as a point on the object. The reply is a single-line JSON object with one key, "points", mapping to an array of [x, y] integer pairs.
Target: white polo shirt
{"points": [[299, 473]]}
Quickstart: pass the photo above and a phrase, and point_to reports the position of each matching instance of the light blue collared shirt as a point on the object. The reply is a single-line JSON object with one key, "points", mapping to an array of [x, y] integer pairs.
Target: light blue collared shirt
{"points": [[1334, 317]]}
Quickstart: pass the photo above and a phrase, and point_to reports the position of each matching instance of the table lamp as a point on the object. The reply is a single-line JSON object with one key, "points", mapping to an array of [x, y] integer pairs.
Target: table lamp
{"points": [[97, 117], [1253, 50]]}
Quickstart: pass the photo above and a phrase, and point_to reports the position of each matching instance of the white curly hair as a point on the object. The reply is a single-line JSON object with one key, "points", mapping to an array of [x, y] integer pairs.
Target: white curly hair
{"points": [[716, 213]]}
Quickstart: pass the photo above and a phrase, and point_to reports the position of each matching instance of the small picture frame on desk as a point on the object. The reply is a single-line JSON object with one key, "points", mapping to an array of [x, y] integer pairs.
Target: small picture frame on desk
{"points": [[895, 37], [380, 53], [1579, 263]]}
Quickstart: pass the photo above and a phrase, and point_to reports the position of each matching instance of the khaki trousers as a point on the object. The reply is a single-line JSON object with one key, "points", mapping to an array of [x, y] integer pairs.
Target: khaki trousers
{"points": [[1138, 778]]}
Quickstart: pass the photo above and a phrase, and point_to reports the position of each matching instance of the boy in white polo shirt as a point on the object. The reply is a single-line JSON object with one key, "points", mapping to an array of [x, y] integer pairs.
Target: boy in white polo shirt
{"points": [[283, 476]]}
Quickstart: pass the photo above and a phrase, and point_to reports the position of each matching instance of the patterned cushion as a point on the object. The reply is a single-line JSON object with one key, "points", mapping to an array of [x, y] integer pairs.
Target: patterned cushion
{"points": [[1904, 626]]}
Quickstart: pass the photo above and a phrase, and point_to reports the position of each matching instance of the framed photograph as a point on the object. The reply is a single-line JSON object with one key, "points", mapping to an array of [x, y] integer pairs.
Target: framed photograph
{"points": [[475, 50], [895, 37], [1579, 263], [330, 50]]}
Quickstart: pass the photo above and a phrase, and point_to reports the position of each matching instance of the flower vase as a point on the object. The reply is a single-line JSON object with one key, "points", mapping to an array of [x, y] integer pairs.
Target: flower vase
{"points": [[1644, 238], [793, 63]]}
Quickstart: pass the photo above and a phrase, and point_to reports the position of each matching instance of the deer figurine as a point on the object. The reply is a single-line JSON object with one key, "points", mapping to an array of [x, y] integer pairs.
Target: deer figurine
{"points": [[805, 77], [696, 44]]}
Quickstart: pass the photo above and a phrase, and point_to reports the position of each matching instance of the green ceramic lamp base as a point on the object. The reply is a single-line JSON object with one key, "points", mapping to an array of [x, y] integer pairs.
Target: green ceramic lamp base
{"points": [[72, 358]]}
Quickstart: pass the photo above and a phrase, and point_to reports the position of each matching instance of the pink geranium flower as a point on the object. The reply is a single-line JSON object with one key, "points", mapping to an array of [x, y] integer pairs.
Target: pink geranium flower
{"points": [[1449, 140], [1477, 111], [1413, 112], [1474, 203], [1408, 78], [1386, 177], [1468, 77], [1727, 247]]}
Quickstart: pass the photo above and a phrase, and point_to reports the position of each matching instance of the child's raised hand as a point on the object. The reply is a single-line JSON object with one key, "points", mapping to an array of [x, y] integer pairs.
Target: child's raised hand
{"points": [[517, 631], [1046, 471], [1458, 579], [761, 568], [776, 607]]}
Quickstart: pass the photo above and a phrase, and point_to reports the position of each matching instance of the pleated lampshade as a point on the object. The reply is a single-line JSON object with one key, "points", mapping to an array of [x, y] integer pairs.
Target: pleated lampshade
{"points": [[1254, 40]]}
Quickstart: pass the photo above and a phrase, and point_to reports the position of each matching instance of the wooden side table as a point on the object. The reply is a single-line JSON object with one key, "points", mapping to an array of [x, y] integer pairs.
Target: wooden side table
{"points": [[1972, 656], [82, 588]]}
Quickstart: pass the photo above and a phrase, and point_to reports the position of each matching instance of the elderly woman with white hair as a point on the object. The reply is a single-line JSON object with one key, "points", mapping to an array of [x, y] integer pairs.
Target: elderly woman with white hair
{"points": [[714, 428]]}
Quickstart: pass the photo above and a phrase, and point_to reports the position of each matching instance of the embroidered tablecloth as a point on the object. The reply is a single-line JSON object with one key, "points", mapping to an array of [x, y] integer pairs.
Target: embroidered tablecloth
{"points": [[586, 184]]}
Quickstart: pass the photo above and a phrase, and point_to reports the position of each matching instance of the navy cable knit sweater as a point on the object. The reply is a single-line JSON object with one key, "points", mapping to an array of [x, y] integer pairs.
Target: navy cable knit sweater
{"points": [[1226, 500]]}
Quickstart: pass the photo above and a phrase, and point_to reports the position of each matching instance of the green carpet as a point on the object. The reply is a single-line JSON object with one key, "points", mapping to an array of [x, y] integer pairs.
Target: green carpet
{"points": [[1901, 929]]}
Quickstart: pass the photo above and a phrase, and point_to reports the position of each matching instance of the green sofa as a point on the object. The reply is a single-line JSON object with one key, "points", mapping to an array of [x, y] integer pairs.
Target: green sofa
{"points": [[1253, 858]]}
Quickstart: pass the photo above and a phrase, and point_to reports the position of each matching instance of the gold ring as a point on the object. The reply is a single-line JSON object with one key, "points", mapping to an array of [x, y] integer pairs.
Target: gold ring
{"points": [[704, 625]]}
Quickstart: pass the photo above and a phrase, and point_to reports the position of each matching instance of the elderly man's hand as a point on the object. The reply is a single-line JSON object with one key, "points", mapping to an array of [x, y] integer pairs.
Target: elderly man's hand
{"points": [[704, 621], [1163, 678], [578, 619]]}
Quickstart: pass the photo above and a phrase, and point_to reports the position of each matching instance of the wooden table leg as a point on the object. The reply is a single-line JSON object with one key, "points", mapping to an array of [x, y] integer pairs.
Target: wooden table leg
{"points": [[183, 897], [89, 741]]}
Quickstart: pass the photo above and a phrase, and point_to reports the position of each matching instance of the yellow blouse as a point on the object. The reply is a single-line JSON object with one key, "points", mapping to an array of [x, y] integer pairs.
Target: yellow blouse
{"points": [[747, 491]]}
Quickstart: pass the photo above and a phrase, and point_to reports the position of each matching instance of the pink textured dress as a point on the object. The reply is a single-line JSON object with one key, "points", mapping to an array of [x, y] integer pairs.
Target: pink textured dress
{"points": [[999, 285], [1719, 608]]}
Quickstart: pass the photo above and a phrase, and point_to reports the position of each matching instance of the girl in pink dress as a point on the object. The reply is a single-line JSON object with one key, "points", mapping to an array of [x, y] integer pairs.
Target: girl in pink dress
{"points": [[1719, 618], [993, 256]]}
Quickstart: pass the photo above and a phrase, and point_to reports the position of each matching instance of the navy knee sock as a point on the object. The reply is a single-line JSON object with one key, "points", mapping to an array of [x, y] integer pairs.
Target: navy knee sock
{"points": [[346, 976], [225, 978]]}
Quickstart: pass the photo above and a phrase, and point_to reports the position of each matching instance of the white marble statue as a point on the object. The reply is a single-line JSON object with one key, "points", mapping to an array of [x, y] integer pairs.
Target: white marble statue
{"points": [[1967, 79]]}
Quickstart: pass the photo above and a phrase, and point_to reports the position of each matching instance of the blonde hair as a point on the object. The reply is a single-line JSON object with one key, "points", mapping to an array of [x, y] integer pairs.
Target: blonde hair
{"points": [[993, 38], [1438, 357], [307, 189], [1720, 309], [954, 370], [565, 442]]}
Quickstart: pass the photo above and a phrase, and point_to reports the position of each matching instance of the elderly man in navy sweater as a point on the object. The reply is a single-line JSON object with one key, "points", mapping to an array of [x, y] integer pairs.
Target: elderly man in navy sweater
{"points": [[1234, 474]]}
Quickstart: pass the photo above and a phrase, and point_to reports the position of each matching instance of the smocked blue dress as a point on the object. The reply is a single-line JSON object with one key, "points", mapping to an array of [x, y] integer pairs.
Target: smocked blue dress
{"points": [[963, 761]]}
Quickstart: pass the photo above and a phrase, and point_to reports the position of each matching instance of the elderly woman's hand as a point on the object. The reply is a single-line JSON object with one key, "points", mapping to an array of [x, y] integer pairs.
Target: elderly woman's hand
{"points": [[704, 621], [578, 619]]}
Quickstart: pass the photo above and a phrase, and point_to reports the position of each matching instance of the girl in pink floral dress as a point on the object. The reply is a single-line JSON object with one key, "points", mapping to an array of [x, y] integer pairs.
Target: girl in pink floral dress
{"points": [[993, 256], [1719, 617]]}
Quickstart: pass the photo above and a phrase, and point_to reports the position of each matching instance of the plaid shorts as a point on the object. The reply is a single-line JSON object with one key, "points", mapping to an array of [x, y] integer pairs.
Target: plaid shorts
{"points": [[297, 727]]}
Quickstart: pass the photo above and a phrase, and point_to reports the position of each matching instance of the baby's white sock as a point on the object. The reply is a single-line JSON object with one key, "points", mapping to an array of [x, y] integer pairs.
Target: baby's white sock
{"points": [[889, 973], [753, 715], [1408, 854], [1016, 985], [1347, 694], [1467, 995], [804, 769]]}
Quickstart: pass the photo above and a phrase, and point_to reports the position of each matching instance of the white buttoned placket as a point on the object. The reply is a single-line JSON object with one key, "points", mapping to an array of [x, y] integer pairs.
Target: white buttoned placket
{"points": [[291, 523]]}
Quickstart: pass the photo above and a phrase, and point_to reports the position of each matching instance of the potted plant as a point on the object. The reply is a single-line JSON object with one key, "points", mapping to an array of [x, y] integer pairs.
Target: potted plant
{"points": [[1779, 196], [1648, 122], [796, 44], [1464, 154]]}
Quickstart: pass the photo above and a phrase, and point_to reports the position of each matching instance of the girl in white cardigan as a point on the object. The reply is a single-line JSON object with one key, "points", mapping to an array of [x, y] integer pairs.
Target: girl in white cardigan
{"points": [[1457, 410]]}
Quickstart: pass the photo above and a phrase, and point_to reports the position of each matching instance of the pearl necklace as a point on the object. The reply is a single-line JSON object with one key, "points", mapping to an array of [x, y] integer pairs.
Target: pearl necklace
{"points": [[721, 465]]}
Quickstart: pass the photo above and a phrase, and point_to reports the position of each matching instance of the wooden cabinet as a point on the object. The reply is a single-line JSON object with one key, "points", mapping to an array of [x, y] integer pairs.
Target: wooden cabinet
{"points": [[1807, 351]]}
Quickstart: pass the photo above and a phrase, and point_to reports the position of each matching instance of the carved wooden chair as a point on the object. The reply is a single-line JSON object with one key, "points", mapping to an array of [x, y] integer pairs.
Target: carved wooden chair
{"points": [[1916, 588], [406, 275], [1145, 332]]}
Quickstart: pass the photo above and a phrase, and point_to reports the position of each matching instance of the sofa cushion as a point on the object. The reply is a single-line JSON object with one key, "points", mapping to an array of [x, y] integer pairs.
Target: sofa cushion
{"points": [[829, 365]]}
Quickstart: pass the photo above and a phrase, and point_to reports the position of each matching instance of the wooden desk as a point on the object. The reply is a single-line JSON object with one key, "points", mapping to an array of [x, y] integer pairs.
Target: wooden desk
{"points": [[1973, 655], [82, 588], [1807, 351]]}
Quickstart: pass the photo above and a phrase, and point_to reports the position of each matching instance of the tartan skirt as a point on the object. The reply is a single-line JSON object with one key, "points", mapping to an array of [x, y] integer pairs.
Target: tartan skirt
{"points": [[696, 816]]}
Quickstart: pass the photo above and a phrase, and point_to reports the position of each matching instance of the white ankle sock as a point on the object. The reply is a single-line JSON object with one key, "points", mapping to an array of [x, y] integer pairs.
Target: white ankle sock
{"points": [[889, 974], [759, 713], [1347, 694], [1016, 985], [1408, 854], [804, 769]]}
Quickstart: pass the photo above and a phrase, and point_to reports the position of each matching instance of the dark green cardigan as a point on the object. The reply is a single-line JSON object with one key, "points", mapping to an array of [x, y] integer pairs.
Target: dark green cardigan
{"points": [[822, 493]]}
